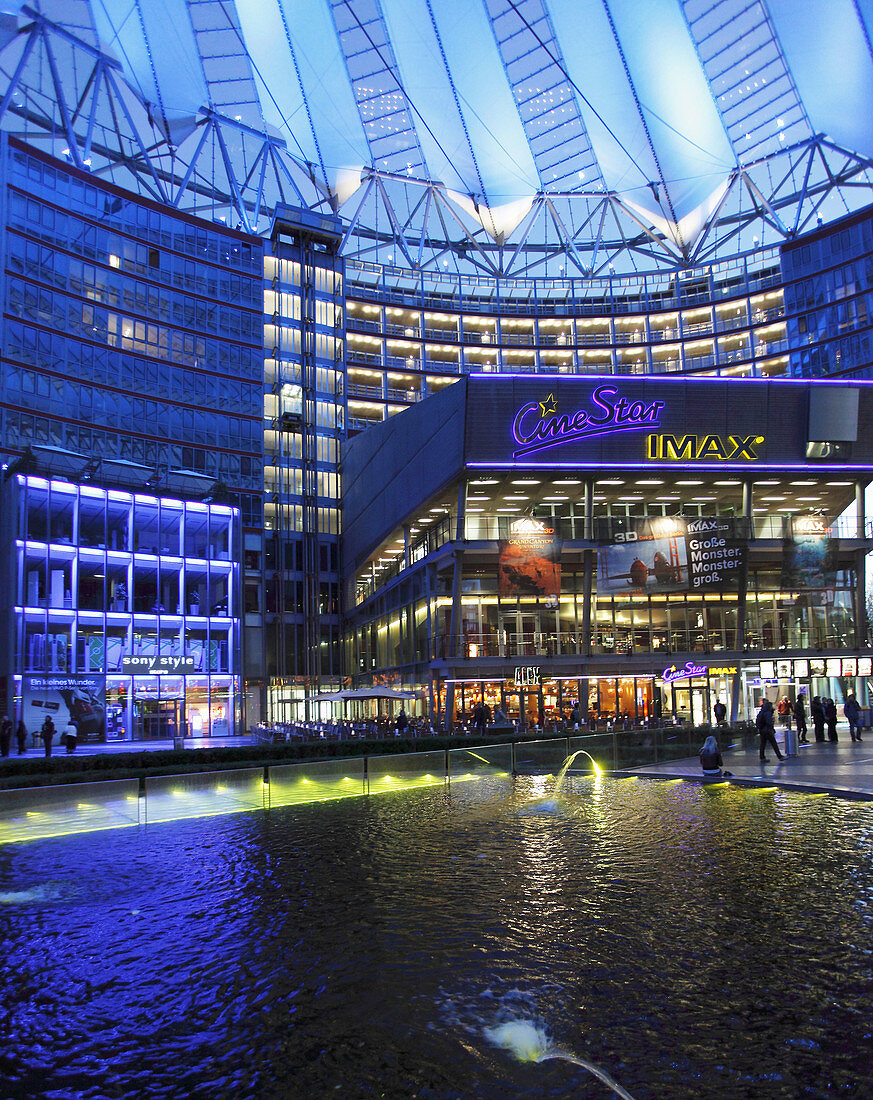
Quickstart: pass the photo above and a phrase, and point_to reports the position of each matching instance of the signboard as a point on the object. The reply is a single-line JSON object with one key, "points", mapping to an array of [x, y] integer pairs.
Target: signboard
{"points": [[809, 553], [77, 701], [689, 669], [527, 676], [158, 666], [674, 554], [529, 421], [529, 559]]}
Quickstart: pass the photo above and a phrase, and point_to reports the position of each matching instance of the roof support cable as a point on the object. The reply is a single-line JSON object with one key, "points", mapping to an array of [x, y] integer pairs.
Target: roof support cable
{"points": [[458, 106], [666, 190], [303, 96], [165, 124]]}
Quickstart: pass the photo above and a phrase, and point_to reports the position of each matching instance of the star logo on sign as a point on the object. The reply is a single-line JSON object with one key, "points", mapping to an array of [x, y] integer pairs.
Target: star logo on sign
{"points": [[549, 406]]}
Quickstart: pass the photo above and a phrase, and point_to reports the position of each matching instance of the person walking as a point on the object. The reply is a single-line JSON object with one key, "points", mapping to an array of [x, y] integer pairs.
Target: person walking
{"points": [[575, 716], [852, 711], [5, 735], [47, 733], [401, 723], [720, 712], [816, 710], [21, 736], [767, 730], [830, 713], [480, 718], [800, 719]]}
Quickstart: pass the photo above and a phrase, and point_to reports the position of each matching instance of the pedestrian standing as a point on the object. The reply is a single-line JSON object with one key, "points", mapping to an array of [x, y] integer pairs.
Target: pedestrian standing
{"points": [[816, 710], [21, 736], [767, 730], [852, 711], [800, 719], [5, 735], [830, 713], [720, 712], [47, 733]]}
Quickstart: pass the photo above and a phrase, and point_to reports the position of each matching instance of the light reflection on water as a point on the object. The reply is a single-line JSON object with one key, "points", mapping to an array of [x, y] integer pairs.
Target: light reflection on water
{"points": [[690, 942]]}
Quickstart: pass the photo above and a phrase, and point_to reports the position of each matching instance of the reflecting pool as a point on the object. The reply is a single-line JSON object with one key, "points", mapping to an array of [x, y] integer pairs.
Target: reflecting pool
{"points": [[488, 940]]}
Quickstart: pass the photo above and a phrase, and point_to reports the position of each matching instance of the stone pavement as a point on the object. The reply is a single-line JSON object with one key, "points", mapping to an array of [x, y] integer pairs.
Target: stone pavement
{"points": [[844, 767]]}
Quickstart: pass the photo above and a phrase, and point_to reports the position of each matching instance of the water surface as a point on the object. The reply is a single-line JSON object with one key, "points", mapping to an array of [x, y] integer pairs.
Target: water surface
{"points": [[687, 941]]}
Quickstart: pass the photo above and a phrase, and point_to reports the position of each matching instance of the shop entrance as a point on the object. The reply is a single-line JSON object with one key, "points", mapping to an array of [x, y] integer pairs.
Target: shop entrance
{"points": [[156, 719], [690, 703]]}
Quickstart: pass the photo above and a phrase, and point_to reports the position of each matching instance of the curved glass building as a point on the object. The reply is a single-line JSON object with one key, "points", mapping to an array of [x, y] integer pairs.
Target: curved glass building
{"points": [[239, 236]]}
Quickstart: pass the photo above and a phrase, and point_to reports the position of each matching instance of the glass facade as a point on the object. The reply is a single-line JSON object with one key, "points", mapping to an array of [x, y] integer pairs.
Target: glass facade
{"points": [[130, 331], [412, 630], [127, 602], [304, 422]]}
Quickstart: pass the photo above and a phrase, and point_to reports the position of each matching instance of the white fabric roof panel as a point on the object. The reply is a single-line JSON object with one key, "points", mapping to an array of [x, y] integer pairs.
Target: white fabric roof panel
{"points": [[498, 101]]}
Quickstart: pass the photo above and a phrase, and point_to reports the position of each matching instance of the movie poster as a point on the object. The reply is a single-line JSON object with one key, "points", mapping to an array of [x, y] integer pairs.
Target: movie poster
{"points": [[529, 559], [674, 554], [809, 554], [69, 701]]}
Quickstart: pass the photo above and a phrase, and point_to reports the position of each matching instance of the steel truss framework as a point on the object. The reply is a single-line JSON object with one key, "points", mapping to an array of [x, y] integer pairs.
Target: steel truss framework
{"points": [[63, 95]]}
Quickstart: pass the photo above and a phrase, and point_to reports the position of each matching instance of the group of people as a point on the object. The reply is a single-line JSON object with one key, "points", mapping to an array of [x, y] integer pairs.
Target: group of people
{"points": [[823, 712], [6, 736], [47, 734]]}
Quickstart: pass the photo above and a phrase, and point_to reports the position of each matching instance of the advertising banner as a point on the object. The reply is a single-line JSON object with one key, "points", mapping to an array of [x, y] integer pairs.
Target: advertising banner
{"points": [[809, 554], [69, 701], [674, 554], [529, 559]]}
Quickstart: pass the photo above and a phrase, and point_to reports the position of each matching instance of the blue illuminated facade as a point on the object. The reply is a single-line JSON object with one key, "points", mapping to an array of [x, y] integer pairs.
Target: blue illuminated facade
{"points": [[130, 331], [121, 609], [131, 364]]}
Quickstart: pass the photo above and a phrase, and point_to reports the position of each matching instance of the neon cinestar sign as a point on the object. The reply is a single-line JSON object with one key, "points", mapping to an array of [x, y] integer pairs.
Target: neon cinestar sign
{"points": [[538, 425], [689, 669]]}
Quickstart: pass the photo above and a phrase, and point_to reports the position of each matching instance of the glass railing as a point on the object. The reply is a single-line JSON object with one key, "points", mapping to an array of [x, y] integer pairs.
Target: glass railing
{"points": [[36, 813]]}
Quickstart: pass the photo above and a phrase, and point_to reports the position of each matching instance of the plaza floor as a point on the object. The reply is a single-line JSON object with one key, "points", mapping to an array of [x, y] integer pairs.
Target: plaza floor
{"points": [[114, 747], [843, 767]]}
